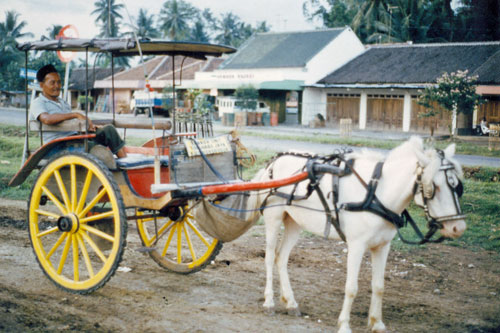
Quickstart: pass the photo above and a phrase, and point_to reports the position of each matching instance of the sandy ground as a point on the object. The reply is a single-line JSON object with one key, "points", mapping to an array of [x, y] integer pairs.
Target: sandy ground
{"points": [[437, 288]]}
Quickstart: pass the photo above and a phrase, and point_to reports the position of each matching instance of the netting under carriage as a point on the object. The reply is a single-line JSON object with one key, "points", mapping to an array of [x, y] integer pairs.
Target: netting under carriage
{"points": [[228, 218]]}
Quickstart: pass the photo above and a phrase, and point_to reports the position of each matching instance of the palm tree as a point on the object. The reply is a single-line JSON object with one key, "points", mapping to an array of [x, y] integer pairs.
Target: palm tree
{"points": [[229, 30], [108, 13], [145, 25], [372, 17], [198, 33], [53, 31], [175, 17], [10, 31]]}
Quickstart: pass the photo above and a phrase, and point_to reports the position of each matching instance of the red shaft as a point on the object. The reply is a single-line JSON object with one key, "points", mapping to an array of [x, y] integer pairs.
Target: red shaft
{"points": [[251, 186]]}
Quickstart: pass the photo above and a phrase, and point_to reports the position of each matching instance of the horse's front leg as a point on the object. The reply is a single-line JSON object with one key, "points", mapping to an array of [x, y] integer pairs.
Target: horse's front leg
{"points": [[290, 237], [354, 256], [272, 230], [379, 260]]}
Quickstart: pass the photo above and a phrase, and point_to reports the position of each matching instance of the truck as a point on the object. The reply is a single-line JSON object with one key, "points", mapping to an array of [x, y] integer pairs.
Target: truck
{"points": [[143, 102]]}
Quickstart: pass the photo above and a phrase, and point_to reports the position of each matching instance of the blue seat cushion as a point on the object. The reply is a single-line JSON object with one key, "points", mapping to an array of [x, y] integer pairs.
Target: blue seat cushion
{"points": [[139, 161]]}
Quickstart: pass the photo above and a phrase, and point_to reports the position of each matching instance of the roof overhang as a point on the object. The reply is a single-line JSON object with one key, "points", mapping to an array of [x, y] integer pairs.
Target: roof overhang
{"points": [[371, 86], [264, 85]]}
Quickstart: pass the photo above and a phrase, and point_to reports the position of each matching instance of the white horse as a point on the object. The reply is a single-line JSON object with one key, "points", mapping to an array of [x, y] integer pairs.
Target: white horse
{"points": [[405, 167]]}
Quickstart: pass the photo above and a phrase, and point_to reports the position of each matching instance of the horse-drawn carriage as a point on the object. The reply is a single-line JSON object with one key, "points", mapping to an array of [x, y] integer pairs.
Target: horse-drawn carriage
{"points": [[83, 196]]}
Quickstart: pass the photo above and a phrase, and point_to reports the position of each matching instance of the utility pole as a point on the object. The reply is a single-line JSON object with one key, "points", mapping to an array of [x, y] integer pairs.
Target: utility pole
{"points": [[390, 20]]}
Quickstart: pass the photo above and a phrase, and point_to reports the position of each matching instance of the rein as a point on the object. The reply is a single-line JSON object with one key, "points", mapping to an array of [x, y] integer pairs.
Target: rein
{"points": [[371, 203]]}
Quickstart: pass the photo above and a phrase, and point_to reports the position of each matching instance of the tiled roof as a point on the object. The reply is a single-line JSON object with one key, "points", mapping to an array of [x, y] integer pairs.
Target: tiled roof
{"points": [[420, 63], [285, 49]]}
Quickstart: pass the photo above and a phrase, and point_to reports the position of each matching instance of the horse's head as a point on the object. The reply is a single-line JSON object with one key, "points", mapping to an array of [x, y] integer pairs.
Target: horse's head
{"points": [[438, 189]]}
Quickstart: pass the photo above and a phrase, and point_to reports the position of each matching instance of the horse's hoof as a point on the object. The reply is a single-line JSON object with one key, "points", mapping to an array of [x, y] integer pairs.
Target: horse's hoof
{"points": [[270, 311], [379, 328], [294, 312]]}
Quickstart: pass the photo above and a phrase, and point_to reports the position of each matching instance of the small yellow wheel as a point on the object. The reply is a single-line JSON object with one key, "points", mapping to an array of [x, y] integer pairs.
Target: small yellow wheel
{"points": [[77, 222], [178, 244]]}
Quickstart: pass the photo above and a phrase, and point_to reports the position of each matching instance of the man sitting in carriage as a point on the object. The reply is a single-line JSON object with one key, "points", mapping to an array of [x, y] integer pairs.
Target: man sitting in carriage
{"points": [[50, 109]]}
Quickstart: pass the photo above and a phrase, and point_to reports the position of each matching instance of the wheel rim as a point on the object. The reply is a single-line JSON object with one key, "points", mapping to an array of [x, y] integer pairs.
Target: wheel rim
{"points": [[76, 245], [181, 246]]}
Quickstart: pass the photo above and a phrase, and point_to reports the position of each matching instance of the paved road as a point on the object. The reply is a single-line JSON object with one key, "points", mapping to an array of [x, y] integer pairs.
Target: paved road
{"points": [[16, 117]]}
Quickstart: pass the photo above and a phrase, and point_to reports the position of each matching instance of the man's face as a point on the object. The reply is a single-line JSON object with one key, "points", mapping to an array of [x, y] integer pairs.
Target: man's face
{"points": [[51, 86]]}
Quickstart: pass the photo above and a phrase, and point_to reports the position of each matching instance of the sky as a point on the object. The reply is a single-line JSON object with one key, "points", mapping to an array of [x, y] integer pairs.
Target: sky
{"points": [[282, 15]]}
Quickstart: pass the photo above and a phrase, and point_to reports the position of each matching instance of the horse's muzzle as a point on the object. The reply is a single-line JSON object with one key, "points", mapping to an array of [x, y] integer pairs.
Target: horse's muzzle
{"points": [[453, 228]]}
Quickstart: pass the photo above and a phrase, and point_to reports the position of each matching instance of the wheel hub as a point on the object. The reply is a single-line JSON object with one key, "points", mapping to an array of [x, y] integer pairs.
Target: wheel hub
{"points": [[68, 223]]}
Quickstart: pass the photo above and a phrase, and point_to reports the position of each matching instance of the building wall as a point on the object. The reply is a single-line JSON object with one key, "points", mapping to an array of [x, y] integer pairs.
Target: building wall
{"points": [[341, 50], [313, 102]]}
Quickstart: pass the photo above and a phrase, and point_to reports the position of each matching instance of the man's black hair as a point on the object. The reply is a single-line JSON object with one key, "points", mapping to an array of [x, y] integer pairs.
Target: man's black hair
{"points": [[42, 72]]}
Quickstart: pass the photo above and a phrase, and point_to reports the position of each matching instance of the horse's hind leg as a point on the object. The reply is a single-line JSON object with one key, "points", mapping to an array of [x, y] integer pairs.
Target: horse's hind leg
{"points": [[354, 256], [379, 260], [290, 237], [273, 223]]}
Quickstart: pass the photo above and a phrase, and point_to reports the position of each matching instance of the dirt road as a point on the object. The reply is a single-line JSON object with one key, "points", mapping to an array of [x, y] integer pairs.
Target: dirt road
{"points": [[437, 288]]}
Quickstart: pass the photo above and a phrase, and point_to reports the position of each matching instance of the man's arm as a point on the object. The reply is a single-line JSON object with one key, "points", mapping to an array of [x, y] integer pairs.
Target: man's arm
{"points": [[56, 118]]}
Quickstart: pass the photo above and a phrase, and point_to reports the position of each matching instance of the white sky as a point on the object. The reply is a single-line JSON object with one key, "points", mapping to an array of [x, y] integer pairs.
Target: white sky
{"points": [[282, 15]]}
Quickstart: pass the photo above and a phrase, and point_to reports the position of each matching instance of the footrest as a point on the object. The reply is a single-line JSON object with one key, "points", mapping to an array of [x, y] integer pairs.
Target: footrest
{"points": [[139, 161]]}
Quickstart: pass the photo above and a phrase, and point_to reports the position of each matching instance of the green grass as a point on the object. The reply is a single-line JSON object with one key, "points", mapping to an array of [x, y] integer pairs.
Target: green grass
{"points": [[462, 147]]}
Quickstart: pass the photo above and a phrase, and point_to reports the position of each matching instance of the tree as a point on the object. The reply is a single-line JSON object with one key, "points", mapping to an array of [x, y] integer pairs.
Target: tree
{"points": [[10, 59], [336, 14], [455, 92], [478, 20], [108, 15], [229, 30], [247, 97], [53, 31], [145, 25], [175, 17], [198, 33]]}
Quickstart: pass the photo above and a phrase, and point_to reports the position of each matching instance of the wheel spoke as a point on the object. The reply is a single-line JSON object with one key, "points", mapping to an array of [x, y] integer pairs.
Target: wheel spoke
{"points": [[62, 189], [164, 228], [179, 243], [56, 201], [86, 257], [190, 244], [198, 233], [48, 214], [56, 246], [47, 232], [73, 187], [85, 191], [97, 232], [94, 247], [167, 244], [97, 217], [64, 254], [91, 205], [76, 269]]}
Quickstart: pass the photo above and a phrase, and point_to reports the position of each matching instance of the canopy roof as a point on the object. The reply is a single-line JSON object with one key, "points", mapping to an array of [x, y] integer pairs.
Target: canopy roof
{"points": [[129, 47]]}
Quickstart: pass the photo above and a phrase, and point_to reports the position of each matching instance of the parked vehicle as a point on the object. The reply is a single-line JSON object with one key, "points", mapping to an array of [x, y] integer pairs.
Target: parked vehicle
{"points": [[143, 102]]}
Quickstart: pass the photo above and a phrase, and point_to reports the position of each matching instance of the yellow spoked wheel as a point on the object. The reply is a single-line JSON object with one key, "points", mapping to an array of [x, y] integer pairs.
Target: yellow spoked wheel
{"points": [[177, 244], [77, 222]]}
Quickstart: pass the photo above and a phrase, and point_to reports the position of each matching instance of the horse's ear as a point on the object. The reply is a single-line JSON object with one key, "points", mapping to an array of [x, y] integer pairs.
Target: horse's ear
{"points": [[449, 151], [423, 159]]}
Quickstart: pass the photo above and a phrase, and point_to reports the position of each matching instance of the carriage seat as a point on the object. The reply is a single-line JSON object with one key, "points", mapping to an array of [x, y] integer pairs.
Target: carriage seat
{"points": [[139, 161]]}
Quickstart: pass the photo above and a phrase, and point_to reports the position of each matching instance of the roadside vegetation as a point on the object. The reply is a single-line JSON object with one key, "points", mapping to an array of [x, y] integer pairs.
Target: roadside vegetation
{"points": [[479, 203], [463, 147]]}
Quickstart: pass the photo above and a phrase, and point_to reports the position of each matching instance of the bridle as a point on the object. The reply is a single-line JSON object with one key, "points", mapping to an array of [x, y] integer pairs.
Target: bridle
{"points": [[453, 183], [372, 204]]}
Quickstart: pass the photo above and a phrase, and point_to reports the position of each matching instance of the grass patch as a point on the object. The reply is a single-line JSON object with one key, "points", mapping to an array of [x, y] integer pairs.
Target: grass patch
{"points": [[462, 147]]}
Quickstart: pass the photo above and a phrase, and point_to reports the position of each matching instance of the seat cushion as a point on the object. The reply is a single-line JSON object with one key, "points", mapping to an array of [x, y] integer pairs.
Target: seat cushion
{"points": [[139, 161]]}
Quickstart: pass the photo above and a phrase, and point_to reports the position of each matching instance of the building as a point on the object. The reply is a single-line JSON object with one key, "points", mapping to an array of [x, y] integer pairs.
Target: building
{"points": [[279, 64], [159, 71], [378, 89]]}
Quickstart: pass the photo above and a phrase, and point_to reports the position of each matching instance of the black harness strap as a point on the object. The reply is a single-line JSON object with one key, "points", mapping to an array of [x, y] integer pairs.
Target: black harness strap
{"points": [[372, 204]]}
